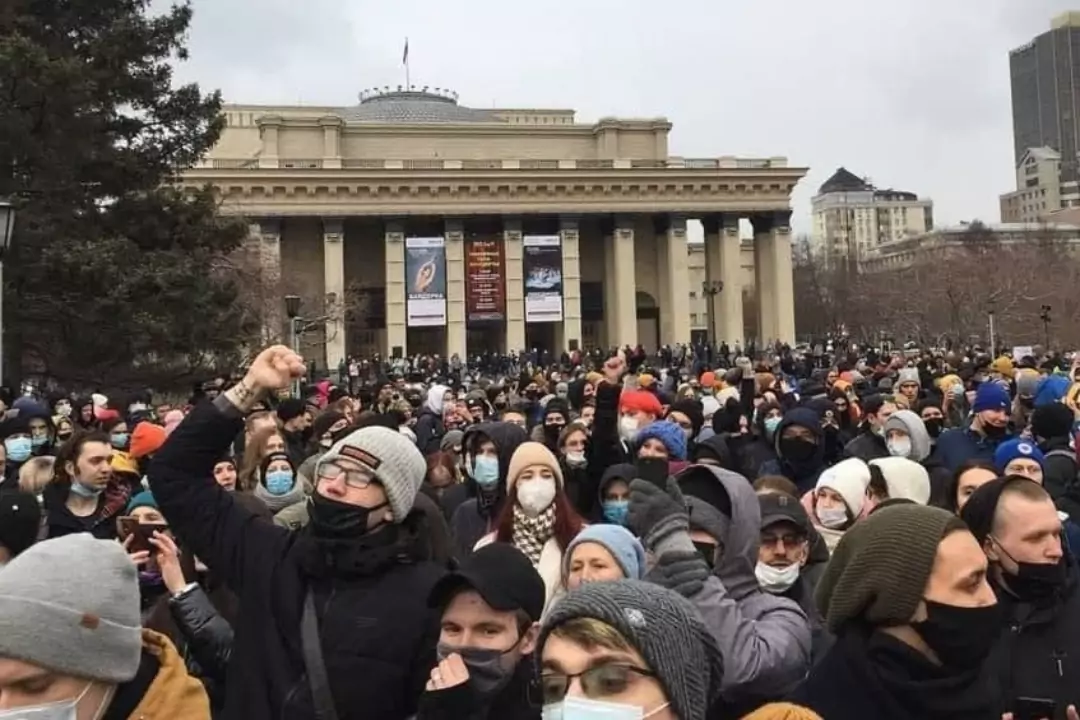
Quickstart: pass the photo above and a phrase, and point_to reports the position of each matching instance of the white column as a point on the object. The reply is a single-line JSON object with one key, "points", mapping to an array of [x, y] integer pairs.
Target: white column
{"points": [[270, 272], [513, 255], [624, 314], [730, 301], [764, 278], [674, 284], [394, 268], [331, 125], [334, 286], [456, 335], [783, 280], [571, 277]]}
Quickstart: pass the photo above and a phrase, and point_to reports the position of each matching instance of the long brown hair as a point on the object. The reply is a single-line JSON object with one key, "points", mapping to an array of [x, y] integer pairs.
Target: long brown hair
{"points": [[445, 460], [254, 452], [567, 521]]}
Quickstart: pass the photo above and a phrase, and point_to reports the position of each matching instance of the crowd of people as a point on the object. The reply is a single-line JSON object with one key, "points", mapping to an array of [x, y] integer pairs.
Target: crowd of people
{"points": [[687, 536]]}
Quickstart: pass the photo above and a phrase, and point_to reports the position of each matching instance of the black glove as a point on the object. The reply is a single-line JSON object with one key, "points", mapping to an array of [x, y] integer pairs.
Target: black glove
{"points": [[655, 514], [683, 572]]}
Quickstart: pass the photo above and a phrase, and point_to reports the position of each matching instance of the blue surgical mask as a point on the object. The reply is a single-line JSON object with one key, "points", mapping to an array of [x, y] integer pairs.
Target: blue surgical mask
{"points": [[615, 511], [573, 707], [62, 710], [771, 424], [39, 441], [279, 482], [85, 490], [18, 449], [485, 471], [119, 440]]}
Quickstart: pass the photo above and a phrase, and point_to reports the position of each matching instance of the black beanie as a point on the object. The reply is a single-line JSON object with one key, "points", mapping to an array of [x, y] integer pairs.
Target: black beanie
{"points": [[324, 422], [691, 409], [1052, 421], [979, 510], [20, 520], [290, 409]]}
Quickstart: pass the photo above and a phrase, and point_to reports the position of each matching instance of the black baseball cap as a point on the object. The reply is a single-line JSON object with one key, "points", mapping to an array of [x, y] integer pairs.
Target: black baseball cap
{"points": [[501, 575], [779, 507]]}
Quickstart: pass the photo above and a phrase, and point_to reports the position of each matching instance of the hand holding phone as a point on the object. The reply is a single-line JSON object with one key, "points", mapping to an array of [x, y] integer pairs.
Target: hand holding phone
{"points": [[140, 533]]}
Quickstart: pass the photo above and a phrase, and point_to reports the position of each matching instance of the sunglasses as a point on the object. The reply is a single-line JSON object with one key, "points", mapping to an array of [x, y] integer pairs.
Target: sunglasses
{"points": [[598, 681]]}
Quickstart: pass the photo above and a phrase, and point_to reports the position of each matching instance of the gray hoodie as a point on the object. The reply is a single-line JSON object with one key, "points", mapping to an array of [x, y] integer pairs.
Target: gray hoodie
{"points": [[764, 639]]}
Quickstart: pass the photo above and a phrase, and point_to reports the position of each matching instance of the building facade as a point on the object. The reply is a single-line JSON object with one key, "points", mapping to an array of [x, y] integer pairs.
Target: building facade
{"points": [[1039, 190], [852, 218], [410, 223], [1046, 94]]}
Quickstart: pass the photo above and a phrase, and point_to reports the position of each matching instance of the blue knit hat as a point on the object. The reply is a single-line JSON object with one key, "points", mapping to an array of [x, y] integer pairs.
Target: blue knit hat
{"points": [[667, 432], [1010, 450], [617, 540], [143, 499], [991, 396]]}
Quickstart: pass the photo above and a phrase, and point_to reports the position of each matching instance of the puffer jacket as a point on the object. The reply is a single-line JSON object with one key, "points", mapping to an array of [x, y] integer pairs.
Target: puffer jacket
{"points": [[161, 688], [765, 640], [208, 636]]}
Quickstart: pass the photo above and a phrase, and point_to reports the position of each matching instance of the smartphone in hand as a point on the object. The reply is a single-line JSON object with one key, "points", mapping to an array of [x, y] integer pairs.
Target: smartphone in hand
{"points": [[140, 533]]}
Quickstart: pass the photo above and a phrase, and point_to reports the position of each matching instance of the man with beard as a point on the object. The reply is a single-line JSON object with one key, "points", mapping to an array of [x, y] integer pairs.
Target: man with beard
{"points": [[335, 619]]}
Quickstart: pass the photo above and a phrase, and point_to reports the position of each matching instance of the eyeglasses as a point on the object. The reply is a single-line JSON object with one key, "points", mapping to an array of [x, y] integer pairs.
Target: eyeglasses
{"points": [[354, 477], [597, 682], [787, 540]]}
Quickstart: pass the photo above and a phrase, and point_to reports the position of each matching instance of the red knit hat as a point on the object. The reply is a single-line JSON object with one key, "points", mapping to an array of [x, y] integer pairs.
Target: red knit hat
{"points": [[146, 439], [640, 401], [708, 379]]}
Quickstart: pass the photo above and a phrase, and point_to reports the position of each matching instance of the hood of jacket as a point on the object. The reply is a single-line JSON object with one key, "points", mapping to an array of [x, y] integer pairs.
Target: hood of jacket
{"points": [[807, 418], [173, 692], [736, 567], [913, 425], [435, 396], [506, 437]]}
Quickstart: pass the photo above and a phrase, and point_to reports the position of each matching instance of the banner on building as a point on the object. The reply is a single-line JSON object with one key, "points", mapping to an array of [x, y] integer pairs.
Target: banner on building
{"points": [[485, 294], [542, 268], [425, 280]]}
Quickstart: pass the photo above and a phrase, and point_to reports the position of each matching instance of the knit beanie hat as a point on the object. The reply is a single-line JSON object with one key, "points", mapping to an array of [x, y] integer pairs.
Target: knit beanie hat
{"points": [[904, 478], [691, 409], [978, 512], [529, 454], [143, 499], [991, 396], [782, 711], [326, 420], [878, 571], [1018, 448], [1053, 420], [640, 401], [451, 439], [391, 457], [708, 379], [290, 409], [71, 605], [668, 433], [663, 627], [20, 521], [1027, 382], [146, 439], [849, 478], [1003, 365], [907, 375], [617, 540]]}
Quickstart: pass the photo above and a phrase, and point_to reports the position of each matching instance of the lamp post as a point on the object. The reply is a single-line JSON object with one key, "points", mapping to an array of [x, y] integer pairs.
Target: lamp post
{"points": [[292, 310], [710, 289], [7, 229], [1045, 317]]}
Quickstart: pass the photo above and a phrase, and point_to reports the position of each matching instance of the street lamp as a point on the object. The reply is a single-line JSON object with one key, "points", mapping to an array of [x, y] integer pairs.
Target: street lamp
{"points": [[292, 309], [710, 289], [1045, 317], [7, 230]]}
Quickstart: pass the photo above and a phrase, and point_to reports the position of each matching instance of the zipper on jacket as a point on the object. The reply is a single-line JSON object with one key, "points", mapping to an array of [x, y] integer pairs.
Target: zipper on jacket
{"points": [[1058, 656]]}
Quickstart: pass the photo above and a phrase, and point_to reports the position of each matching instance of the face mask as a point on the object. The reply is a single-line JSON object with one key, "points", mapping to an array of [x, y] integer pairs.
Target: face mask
{"points": [[85, 490], [796, 449], [961, 637], [279, 482], [486, 471], [934, 426], [776, 580], [37, 442], [18, 449], [628, 428], [993, 431], [573, 707], [332, 519], [615, 511], [832, 517], [1033, 581], [900, 447], [957, 390], [771, 424], [536, 495], [63, 710], [119, 440], [487, 675], [575, 459]]}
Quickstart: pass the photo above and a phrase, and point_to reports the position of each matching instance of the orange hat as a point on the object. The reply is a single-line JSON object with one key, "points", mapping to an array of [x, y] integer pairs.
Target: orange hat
{"points": [[708, 379], [645, 380], [640, 401], [147, 439]]}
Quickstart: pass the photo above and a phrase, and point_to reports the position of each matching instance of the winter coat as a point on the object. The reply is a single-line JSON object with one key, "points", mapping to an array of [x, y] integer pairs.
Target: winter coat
{"points": [[461, 702], [803, 474], [161, 689], [60, 521], [1060, 475], [764, 639], [208, 636], [378, 635], [866, 446], [957, 446]]}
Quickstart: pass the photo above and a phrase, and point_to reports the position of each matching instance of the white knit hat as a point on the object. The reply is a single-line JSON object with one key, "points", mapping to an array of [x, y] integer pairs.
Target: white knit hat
{"points": [[849, 478], [394, 461], [905, 479]]}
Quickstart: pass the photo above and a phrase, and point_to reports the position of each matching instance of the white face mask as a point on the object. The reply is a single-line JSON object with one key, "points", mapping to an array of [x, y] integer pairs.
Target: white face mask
{"points": [[628, 428], [832, 517], [63, 710], [536, 495], [573, 707], [900, 447], [575, 459], [776, 580]]}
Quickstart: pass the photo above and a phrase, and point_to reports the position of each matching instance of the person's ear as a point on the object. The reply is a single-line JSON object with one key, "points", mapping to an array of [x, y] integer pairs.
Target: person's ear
{"points": [[69, 467], [528, 640], [991, 550], [920, 612], [388, 516]]}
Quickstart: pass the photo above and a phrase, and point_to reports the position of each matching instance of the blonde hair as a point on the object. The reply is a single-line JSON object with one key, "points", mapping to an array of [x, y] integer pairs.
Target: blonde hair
{"points": [[36, 473], [254, 452], [591, 633]]}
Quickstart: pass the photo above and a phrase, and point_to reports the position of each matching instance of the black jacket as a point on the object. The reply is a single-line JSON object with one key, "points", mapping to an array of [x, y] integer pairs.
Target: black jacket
{"points": [[867, 446], [1060, 475], [378, 635], [208, 636], [514, 702], [429, 431]]}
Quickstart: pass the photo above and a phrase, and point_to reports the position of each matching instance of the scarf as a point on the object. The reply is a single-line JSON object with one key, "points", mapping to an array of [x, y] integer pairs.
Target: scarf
{"points": [[532, 533], [277, 503]]}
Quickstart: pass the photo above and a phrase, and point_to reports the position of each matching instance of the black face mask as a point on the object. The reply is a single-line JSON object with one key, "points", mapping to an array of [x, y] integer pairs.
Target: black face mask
{"points": [[934, 426], [795, 449], [1035, 581], [993, 431], [961, 637], [707, 551], [336, 520], [552, 432]]}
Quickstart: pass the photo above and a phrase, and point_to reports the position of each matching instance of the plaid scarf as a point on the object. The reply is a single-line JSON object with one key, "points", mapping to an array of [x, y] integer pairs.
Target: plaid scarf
{"points": [[532, 533]]}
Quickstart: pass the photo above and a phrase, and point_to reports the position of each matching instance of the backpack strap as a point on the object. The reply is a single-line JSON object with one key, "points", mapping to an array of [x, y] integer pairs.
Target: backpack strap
{"points": [[313, 661]]}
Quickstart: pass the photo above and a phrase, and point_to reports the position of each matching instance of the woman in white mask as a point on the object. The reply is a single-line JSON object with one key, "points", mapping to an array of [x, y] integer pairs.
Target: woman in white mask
{"points": [[838, 500], [538, 518]]}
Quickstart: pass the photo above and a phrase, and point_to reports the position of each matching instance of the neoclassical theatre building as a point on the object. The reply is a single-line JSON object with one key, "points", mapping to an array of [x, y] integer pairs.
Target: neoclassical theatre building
{"points": [[411, 223]]}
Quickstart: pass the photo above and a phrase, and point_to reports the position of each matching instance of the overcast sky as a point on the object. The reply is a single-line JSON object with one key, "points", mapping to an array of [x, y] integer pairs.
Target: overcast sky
{"points": [[913, 94]]}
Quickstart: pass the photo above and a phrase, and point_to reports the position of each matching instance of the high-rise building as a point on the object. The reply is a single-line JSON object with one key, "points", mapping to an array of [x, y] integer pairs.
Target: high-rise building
{"points": [[1046, 94], [852, 217]]}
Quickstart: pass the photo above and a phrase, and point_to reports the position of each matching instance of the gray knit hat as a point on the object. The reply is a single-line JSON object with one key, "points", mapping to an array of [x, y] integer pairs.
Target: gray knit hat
{"points": [[879, 570], [71, 605], [661, 625], [393, 459]]}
